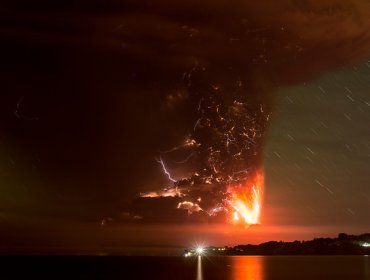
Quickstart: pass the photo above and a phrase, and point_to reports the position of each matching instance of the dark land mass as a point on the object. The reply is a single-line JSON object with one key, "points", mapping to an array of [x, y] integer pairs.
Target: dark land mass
{"points": [[344, 244]]}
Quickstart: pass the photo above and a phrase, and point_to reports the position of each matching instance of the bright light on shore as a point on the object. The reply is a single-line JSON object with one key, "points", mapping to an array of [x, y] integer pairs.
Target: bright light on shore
{"points": [[200, 250], [366, 244]]}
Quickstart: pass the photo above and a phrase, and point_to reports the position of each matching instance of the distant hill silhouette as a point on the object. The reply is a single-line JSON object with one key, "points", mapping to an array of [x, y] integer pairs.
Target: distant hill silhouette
{"points": [[344, 244]]}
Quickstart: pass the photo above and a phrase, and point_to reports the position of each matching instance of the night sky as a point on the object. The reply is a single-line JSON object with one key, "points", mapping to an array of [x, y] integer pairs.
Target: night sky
{"points": [[96, 95]]}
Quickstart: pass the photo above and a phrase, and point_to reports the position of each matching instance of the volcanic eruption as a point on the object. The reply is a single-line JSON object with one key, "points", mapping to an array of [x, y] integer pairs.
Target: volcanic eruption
{"points": [[228, 88]]}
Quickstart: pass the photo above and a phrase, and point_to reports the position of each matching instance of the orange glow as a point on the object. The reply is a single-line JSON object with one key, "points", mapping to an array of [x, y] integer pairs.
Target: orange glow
{"points": [[250, 267], [246, 200]]}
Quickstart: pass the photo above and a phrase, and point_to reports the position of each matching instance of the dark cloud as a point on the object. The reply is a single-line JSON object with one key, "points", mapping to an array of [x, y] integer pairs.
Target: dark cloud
{"points": [[92, 92]]}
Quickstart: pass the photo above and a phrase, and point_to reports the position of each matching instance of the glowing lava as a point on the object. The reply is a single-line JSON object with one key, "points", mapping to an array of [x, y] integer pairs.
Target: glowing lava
{"points": [[246, 199]]}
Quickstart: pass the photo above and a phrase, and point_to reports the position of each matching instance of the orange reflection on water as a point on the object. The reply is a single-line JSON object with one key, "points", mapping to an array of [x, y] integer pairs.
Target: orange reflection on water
{"points": [[247, 267]]}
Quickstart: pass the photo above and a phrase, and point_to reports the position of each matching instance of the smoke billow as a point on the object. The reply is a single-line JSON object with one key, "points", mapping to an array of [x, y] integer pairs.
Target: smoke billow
{"points": [[242, 53]]}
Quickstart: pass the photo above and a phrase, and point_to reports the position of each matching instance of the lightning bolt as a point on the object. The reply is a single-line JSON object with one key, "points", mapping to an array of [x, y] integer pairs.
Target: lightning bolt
{"points": [[160, 160]]}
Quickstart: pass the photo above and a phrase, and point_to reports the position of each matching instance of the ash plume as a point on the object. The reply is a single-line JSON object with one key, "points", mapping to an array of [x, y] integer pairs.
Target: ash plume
{"points": [[166, 101], [254, 50]]}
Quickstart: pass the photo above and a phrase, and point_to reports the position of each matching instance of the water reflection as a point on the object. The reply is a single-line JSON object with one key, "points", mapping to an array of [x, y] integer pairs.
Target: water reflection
{"points": [[199, 269], [250, 268]]}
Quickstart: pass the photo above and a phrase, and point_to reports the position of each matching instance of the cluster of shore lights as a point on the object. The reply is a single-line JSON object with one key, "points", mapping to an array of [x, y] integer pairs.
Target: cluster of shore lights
{"points": [[199, 251]]}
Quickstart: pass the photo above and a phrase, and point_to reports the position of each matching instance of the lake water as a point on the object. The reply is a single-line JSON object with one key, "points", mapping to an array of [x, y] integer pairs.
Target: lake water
{"points": [[197, 268]]}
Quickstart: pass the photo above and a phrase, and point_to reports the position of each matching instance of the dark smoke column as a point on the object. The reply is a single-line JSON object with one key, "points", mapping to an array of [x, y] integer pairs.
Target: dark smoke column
{"points": [[236, 56]]}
